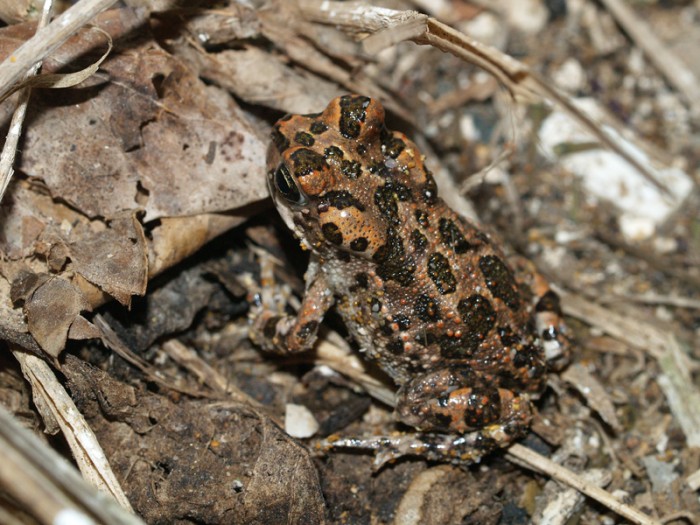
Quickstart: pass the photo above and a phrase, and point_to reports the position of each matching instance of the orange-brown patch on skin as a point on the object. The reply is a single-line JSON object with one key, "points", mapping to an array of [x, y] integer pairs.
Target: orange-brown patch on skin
{"points": [[353, 223], [316, 181]]}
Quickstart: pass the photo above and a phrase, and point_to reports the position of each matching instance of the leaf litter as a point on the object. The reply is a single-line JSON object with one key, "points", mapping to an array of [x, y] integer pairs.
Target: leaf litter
{"points": [[130, 187]]}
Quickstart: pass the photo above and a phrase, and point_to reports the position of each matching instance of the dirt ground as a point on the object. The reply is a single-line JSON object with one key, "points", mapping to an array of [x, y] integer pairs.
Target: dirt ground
{"points": [[137, 225]]}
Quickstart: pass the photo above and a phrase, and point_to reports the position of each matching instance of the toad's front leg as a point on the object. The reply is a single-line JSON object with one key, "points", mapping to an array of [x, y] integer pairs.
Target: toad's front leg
{"points": [[286, 334]]}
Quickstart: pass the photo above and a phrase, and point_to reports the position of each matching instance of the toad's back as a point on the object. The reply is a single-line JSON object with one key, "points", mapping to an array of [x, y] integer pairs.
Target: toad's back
{"points": [[419, 287]]}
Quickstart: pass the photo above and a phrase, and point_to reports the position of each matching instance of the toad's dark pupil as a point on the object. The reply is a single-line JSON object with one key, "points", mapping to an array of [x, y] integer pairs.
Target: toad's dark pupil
{"points": [[286, 185]]}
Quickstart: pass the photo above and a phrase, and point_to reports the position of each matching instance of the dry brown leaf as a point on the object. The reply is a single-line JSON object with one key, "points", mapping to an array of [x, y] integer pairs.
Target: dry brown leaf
{"points": [[152, 113], [148, 112], [50, 312], [143, 134], [594, 393], [115, 259]]}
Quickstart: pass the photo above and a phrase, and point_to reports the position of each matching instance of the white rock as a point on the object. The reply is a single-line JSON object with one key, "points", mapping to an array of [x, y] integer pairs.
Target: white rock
{"points": [[468, 128], [606, 175], [570, 76], [299, 422], [529, 16]]}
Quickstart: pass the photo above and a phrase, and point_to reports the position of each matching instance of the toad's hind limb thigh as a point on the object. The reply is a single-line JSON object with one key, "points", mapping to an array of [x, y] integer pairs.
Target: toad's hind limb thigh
{"points": [[458, 400]]}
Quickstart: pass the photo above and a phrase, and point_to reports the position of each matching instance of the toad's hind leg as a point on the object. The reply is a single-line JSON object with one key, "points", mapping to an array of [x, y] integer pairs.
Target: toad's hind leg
{"points": [[462, 417], [464, 401]]}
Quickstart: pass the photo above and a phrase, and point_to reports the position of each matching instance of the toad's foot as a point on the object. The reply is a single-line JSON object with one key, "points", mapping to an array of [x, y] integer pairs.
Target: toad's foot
{"points": [[458, 449]]}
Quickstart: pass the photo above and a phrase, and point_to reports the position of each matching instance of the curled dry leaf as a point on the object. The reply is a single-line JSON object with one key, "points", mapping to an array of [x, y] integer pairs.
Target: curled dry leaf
{"points": [[51, 310], [596, 396], [144, 134], [122, 268], [149, 112]]}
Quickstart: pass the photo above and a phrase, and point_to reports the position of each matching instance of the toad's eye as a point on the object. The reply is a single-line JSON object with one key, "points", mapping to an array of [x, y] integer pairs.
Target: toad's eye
{"points": [[287, 186]]}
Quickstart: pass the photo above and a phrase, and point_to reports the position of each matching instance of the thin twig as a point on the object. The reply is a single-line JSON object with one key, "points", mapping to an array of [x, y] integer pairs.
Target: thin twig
{"points": [[9, 149], [524, 456], [26, 60], [47, 40]]}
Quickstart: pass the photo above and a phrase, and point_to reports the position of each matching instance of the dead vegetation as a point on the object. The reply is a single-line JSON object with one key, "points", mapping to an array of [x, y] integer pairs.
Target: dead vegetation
{"points": [[135, 222]]}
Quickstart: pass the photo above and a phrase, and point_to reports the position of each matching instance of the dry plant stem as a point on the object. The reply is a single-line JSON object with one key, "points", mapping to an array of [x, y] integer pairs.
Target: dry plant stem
{"points": [[654, 299], [524, 456], [43, 481], [678, 74], [112, 341], [86, 450], [46, 40], [388, 27], [188, 359], [9, 149]]}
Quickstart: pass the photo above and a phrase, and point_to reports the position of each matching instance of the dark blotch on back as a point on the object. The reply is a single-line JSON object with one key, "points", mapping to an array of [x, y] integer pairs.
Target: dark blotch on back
{"points": [[527, 356], [430, 189], [333, 152], [352, 114], [379, 168], [395, 346], [422, 218], [351, 169], [279, 140], [318, 127], [402, 321], [426, 309], [341, 200], [418, 240], [439, 271], [361, 282], [500, 281], [305, 139], [508, 338], [386, 198], [307, 161], [392, 263], [359, 245], [332, 233], [391, 145], [478, 317], [452, 236]]}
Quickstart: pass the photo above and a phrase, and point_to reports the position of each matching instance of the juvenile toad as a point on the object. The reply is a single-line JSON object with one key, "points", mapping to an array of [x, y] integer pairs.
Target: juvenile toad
{"points": [[423, 292]]}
